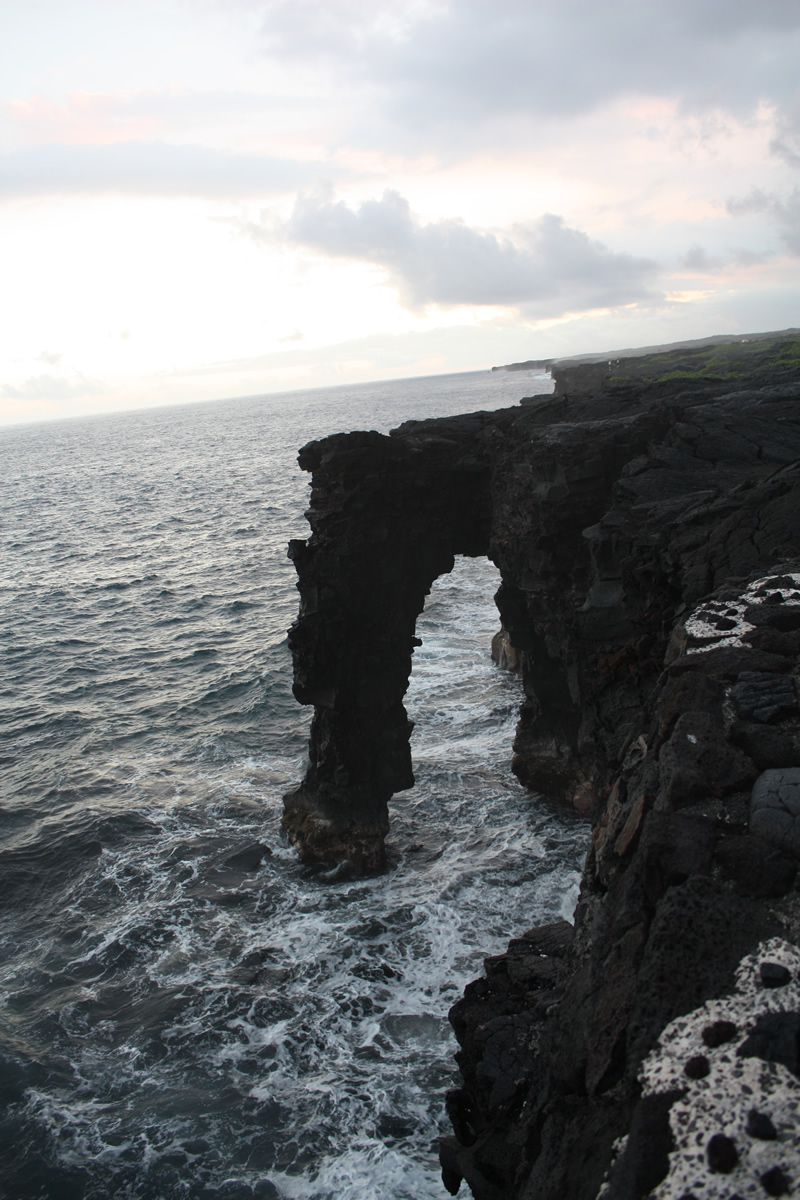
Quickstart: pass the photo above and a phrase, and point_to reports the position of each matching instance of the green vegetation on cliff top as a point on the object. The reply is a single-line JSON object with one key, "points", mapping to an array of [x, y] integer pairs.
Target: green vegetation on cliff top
{"points": [[710, 364]]}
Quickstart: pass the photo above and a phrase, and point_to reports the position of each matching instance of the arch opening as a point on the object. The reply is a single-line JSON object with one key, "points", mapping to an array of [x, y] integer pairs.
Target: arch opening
{"points": [[461, 704]]}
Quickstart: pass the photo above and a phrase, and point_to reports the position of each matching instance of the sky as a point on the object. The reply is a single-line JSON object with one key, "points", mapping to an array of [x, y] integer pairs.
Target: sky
{"points": [[211, 198]]}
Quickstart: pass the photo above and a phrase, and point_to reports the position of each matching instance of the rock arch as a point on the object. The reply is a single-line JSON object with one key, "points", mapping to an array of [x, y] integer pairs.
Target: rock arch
{"points": [[604, 516], [388, 516]]}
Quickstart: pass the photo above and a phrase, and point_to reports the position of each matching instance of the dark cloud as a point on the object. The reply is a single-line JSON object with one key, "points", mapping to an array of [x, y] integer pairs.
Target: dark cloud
{"points": [[457, 62], [147, 168], [449, 263], [784, 211]]}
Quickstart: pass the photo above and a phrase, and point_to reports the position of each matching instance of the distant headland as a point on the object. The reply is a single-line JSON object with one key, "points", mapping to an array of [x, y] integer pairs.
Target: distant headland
{"points": [[694, 344]]}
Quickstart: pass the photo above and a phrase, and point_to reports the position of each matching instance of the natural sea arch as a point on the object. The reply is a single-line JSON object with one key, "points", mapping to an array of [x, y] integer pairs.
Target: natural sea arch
{"points": [[388, 516]]}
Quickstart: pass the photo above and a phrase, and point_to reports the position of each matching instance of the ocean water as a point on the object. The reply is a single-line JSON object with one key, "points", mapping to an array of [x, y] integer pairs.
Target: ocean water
{"points": [[185, 1010]]}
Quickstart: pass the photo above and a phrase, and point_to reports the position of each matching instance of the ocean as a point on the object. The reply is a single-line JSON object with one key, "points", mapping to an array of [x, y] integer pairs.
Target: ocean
{"points": [[187, 1012]]}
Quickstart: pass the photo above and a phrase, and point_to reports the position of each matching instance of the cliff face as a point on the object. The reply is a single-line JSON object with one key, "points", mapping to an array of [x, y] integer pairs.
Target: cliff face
{"points": [[683, 964], [605, 515], [635, 520]]}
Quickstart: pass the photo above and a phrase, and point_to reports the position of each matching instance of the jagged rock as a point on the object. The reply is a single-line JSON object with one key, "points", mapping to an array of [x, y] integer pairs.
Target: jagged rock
{"points": [[553, 940], [645, 1159], [738, 1118], [508, 1054], [690, 692], [772, 641]]}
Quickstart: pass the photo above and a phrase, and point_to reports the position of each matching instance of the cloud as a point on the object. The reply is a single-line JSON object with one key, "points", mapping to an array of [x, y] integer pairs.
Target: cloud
{"points": [[786, 144], [449, 263], [697, 258], [466, 60], [743, 257], [784, 212], [344, 28], [147, 168]]}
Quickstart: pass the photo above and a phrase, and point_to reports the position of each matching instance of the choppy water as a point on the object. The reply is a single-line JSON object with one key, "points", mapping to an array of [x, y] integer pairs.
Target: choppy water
{"points": [[176, 1022]]}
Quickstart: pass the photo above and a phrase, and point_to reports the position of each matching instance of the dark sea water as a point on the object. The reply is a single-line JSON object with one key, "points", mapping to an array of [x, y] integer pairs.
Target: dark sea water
{"points": [[176, 1022]]}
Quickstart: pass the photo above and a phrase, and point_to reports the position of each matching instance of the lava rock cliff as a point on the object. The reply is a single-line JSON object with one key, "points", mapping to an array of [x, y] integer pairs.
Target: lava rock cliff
{"points": [[644, 520]]}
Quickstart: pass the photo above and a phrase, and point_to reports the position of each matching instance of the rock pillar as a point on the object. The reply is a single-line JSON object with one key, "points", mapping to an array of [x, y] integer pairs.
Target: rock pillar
{"points": [[388, 515]]}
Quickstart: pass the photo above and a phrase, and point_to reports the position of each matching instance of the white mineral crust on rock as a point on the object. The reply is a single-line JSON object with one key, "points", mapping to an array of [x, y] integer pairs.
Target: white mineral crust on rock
{"points": [[722, 622], [721, 1102]]}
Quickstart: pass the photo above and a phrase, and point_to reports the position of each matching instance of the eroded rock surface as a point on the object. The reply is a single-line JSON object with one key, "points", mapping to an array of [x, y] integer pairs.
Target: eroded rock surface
{"points": [[688, 906], [647, 534], [608, 512]]}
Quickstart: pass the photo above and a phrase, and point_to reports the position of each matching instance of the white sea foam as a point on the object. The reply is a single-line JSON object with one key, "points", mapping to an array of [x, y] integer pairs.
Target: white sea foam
{"points": [[180, 1023]]}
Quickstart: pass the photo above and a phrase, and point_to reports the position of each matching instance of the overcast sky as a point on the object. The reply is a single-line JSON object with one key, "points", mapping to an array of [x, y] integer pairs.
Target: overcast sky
{"points": [[207, 198]]}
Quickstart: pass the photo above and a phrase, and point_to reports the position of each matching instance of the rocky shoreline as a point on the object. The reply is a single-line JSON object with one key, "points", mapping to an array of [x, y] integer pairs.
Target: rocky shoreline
{"points": [[644, 519]]}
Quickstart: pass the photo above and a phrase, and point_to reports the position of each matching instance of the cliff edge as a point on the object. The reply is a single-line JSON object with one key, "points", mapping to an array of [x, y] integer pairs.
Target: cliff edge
{"points": [[644, 520]]}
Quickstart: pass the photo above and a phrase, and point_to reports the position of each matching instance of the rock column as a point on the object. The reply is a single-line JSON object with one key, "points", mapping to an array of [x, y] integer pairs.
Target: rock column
{"points": [[387, 516]]}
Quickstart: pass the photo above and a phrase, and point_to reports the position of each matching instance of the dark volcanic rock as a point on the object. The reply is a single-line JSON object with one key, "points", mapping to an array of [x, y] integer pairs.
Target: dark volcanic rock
{"points": [[763, 695], [645, 1160], [722, 1154], [754, 867], [760, 1126], [647, 532], [699, 761], [775, 1039], [767, 747], [604, 512], [775, 1182], [775, 809]]}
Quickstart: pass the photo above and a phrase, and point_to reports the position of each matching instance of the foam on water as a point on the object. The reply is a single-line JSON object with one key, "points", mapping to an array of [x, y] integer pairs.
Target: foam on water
{"points": [[174, 1023]]}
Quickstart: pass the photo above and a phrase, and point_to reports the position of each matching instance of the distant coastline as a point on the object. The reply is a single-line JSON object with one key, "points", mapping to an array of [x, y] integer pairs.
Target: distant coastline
{"points": [[718, 339]]}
